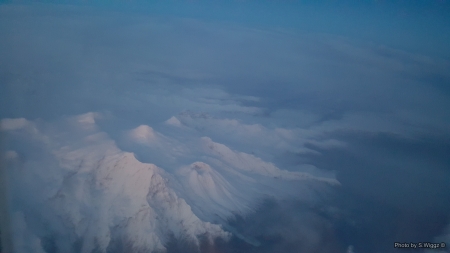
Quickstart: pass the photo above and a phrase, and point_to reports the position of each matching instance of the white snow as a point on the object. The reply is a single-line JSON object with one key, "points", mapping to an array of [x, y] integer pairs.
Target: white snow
{"points": [[104, 194], [143, 134], [210, 190], [173, 121], [82, 185], [253, 164]]}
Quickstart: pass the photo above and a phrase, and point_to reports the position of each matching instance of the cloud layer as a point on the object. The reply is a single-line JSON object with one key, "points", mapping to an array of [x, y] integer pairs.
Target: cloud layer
{"points": [[133, 131]]}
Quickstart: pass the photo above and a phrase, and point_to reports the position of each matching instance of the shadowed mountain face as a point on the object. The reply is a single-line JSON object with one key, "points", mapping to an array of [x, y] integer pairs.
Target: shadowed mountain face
{"points": [[224, 127]]}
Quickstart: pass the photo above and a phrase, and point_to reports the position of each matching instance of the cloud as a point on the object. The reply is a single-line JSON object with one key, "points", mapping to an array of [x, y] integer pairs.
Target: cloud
{"points": [[24, 240], [286, 226], [252, 137], [11, 155], [228, 115], [443, 238], [13, 124], [393, 188], [327, 144], [225, 69]]}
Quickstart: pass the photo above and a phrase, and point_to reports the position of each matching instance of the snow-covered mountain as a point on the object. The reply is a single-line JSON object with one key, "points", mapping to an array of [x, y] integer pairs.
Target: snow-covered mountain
{"points": [[208, 188], [72, 183]]}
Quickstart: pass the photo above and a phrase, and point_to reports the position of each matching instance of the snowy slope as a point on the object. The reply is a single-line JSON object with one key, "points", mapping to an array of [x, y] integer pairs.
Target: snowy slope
{"points": [[250, 163], [207, 187], [106, 196], [74, 184]]}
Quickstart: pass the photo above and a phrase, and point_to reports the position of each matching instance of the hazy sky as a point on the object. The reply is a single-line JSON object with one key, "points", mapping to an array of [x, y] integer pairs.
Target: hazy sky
{"points": [[355, 93]]}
